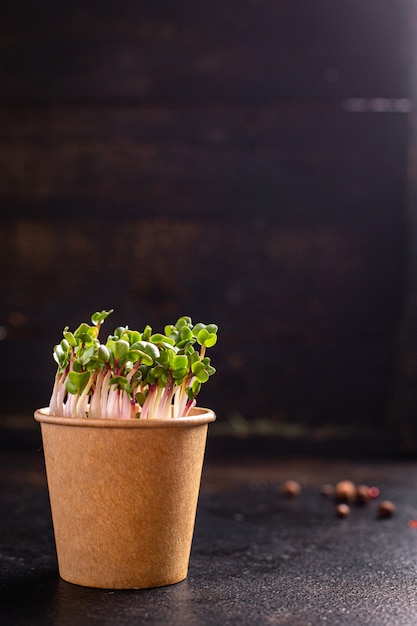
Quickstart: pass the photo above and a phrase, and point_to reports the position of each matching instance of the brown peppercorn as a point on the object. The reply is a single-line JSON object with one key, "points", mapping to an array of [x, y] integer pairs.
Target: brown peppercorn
{"points": [[342, 510], [327, 490], [362, 494], [345, 491], [386, 509], [291, 488]]}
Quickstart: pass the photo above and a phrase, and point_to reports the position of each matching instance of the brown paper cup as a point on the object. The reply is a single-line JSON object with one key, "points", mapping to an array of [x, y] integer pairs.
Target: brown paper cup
{"points": [[123, 496]]}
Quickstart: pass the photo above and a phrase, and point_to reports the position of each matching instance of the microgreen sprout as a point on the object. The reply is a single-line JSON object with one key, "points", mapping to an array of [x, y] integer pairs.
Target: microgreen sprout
{"points": [[133, 374]]}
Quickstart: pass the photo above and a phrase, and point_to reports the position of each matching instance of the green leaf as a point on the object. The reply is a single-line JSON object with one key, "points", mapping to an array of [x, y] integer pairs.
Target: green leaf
{"points": [[140, 398], [211, 340], [168, 346], [94, 364], [119, 331], [202, 335], [196, 386], [71, 388], [197, 328], [179, 362], [86, 354], [155, 373], [60, 356], [121, 350], [70, 337], [134, 336], [202, 376], [183, 345], [99, 317], [138, 355], [146, 346], [162, 340], [120, 381], [183, 321], [207, 339], [132, 356], [179, 374], [170, 330], [157, 338], [77, 366], [196, 367], [78, 380], [186, 333], [163, 379], [65, 346], [192, 354], [85, 333], [143, 371], [104, 353], [147, 332], [165, 357]]}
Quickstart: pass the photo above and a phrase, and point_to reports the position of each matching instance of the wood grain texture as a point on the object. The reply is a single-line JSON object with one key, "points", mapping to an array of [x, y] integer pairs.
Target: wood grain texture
{"points": [[244, 163], [314, 165], [248, 51]]}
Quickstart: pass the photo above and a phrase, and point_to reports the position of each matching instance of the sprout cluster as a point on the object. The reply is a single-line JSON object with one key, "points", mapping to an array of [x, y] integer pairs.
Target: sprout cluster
{"points": [[133, 374]]}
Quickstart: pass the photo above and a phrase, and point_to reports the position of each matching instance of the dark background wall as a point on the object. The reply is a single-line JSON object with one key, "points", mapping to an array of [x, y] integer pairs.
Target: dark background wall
{"points": [[246, 163]]}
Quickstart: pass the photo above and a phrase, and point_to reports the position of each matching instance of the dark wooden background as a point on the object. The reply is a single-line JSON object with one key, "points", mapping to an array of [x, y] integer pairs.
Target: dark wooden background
{"points": [[248, 163]]}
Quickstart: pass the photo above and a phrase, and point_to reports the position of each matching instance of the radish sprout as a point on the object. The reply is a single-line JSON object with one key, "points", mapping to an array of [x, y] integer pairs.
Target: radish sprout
{"points": [[133, 374]]}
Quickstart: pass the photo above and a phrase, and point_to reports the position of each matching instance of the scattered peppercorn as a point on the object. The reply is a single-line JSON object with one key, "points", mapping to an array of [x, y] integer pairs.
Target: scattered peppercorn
{"points": [[386, 509], [327, 490], [342, 510], [291, 488], [362, 494], [345, 491], [373, 492]]}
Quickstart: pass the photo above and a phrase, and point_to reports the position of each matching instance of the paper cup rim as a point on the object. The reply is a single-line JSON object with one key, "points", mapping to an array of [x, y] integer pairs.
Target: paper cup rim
{"points": [[197, 417]]}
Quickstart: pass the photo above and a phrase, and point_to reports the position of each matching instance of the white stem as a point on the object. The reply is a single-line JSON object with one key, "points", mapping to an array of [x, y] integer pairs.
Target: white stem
{"points": [[82, 403], [126, 406], [53, 403], [61, 396], [104, 396], [95, 396], [112, 409]]}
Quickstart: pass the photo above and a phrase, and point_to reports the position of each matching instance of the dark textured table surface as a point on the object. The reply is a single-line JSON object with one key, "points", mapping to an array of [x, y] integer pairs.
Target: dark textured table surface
{"points": [[257, 557]]}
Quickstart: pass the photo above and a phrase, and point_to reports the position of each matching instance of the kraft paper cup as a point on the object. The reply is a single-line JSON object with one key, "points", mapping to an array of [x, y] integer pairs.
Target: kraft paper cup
{"points": [[123, 496]]}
